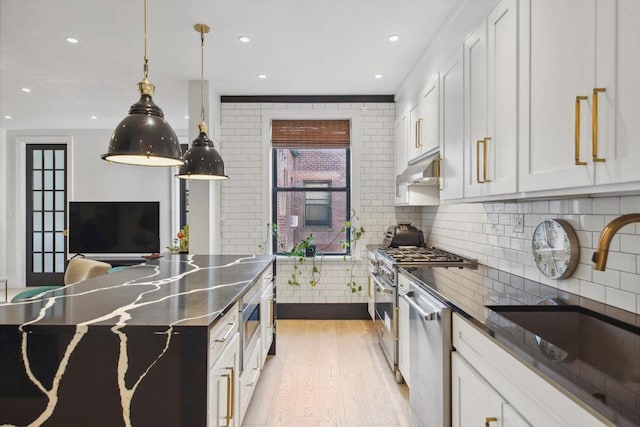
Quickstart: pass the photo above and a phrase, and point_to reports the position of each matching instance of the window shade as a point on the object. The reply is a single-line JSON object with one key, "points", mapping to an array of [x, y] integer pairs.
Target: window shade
{"points": [[310, 133]]}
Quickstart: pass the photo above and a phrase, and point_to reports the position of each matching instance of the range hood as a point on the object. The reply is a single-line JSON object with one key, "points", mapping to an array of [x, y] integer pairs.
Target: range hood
{"points": [[422, 172]]}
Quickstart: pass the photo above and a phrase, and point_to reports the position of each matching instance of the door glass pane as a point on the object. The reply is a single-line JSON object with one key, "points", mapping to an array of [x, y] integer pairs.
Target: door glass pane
{"points": [[37, 159], [59, 221], [59, 263], [48, 221], [37, 242], [48, 263], [37, 200], [48, 200], [60, 180], [37, 180], [48, 242], [59, 159], [48, 159], [48, 180], [59, 200], [37, 263], [59, 242], [37, 221]]}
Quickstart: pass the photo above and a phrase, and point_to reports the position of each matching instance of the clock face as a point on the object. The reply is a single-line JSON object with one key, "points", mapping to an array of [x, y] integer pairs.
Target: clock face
{"points": [[555, 248]]}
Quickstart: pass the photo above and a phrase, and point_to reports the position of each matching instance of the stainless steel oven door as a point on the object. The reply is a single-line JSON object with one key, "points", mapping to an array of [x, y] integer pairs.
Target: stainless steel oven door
{"points": [[386, 318], [250, 323]]}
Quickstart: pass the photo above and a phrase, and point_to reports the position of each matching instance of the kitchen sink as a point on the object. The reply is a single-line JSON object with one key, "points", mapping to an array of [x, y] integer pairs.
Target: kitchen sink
{"points": [[568, 334]]}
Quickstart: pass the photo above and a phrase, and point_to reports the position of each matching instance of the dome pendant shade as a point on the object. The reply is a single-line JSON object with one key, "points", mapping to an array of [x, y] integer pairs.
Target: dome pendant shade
{"points": [[202, 161], [144, 137]]}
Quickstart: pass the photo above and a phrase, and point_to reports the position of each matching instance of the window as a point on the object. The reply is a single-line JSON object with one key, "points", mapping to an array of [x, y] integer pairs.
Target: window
{"points": [[317, 205], [311, 183]]}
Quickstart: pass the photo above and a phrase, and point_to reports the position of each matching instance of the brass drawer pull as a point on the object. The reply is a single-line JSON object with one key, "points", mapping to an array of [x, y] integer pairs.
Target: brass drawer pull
{"points": [[594, 136], [578, 99], [490, 420]]}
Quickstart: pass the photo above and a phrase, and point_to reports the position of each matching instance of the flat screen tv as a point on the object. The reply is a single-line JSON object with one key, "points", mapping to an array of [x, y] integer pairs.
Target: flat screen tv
{"points": [[114, 227]]}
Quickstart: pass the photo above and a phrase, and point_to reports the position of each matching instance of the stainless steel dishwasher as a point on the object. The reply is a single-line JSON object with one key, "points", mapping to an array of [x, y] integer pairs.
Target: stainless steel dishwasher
{"points": [[429, 358]]}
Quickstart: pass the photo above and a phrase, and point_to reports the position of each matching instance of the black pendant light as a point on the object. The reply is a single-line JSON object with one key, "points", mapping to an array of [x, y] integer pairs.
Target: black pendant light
{"points": [[144, 137], [202, 161]]}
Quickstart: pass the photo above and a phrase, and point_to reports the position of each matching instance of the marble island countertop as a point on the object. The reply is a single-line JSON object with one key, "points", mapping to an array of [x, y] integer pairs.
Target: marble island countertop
{"points": [[130, 348], [590, 350], [185, 290]]}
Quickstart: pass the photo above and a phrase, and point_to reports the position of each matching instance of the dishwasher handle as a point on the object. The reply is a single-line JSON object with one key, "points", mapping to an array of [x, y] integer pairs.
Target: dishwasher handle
{"points": [[384, 288], [433, 315]]}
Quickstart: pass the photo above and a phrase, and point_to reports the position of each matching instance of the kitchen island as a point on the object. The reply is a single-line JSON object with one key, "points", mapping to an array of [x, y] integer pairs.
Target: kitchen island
{"points": [[129, 348]]}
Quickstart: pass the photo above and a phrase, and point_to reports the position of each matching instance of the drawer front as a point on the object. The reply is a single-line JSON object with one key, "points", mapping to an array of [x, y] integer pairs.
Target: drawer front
{"points": [[222, 332], [249, 378]]}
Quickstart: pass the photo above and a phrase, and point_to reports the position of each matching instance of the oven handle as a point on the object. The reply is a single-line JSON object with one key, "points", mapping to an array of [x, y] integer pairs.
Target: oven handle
{"points": [[386, 289], [434, 315]]}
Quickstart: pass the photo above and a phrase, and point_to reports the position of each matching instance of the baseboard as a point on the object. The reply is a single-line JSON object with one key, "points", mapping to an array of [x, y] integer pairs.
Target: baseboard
{"points": [[328, 311]]}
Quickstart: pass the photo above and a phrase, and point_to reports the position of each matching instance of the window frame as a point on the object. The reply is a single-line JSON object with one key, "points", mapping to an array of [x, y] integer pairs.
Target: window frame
{"points": [[275, 190]]}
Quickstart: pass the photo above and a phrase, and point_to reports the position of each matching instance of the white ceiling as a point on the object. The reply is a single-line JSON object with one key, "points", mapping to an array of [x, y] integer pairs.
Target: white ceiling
{"points": [[327, 47]]}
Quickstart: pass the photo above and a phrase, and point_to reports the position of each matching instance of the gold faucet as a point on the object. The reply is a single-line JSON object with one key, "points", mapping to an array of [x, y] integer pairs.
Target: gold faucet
{"points": [[600, 257]]}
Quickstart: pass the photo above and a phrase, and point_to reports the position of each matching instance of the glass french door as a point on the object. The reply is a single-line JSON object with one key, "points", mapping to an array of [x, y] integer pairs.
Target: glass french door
{"points": [[46, 214]]}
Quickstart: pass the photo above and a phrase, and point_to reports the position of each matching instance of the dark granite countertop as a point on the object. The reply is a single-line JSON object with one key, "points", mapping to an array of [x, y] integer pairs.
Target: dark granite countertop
{"points": [[589, 349], [180, 290]]}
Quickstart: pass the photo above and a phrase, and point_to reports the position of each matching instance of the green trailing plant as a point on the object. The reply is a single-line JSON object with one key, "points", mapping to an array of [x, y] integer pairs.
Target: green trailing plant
{"points": [[300, 252], [355, 233]]}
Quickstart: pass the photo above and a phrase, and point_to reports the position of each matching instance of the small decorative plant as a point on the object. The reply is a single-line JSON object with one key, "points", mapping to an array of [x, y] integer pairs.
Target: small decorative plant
{"points": [[355, 233], [181, 241]]}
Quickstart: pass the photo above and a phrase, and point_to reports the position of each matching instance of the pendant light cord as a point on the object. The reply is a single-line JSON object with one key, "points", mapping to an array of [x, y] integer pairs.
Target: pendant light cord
{"points": [[146, 57], [202, 75]]}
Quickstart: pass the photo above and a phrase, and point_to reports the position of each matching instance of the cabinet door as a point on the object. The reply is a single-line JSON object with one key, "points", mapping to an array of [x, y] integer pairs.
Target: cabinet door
{"points": [[558, 49], [266, 320], [475, 65], [223, 390], [452, 128], [474, 401], [502, 121], [618, 66], [430, 125], [415, 124], [403, 345]]}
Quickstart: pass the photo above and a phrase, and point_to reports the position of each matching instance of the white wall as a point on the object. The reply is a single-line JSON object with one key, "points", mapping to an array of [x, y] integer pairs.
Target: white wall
{"points": [[245, 202], [3, 203], [486, 231], [90, 179]]}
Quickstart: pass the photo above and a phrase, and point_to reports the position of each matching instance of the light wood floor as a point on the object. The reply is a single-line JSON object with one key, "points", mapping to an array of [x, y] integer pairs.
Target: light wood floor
{"points": [[327, 373]]}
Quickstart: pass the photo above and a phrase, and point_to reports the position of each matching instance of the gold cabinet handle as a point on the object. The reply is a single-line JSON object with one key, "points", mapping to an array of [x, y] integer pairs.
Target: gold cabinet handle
{"points": [[484, 166], [396, 313], [419, 134], [578, 99], [594, 124], [415, 143], [271, 314], [490, 420], [480, 141], [438, 165], [231, 390]]}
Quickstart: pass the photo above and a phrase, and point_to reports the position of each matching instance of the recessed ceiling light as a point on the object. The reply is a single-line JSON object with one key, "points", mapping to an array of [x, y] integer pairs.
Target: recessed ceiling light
{"points": [[244, 39], [71, 40], [8, 117], [94, 117], [394, 38], [378, 76], [26, 89], [262, 76]]}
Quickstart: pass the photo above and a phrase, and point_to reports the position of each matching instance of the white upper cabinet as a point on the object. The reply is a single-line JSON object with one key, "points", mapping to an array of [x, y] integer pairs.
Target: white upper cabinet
{"points": [[424, 122], [401, 138], [579, 91], [452, 128], [491, 101]]}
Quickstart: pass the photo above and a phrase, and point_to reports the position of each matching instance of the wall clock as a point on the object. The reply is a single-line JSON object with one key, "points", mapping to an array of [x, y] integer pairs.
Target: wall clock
{"points": [[555, 248]]}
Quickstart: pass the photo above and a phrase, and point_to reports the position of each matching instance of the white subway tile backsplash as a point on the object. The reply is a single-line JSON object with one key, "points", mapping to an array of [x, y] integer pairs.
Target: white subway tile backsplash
{"points": [[621, 299], [630, 204]]}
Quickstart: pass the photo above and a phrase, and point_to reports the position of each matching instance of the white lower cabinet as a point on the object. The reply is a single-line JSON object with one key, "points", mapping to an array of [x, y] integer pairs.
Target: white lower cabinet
{"points": [[249, 378], [488, 383], [266, 319], [223, 390]]}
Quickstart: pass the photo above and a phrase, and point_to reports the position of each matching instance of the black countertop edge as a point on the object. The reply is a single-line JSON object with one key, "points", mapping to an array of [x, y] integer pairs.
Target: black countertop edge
{"points": [[473, 293]]}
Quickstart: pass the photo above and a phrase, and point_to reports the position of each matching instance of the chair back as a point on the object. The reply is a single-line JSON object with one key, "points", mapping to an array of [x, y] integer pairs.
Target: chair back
{"points": [[82, 268]]}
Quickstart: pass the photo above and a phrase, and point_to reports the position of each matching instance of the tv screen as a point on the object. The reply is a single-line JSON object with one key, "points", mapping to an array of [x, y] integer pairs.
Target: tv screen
{"points": [[114, 227]]}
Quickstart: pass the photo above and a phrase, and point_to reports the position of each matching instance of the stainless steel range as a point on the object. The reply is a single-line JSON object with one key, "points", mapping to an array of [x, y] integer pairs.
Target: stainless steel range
{"points": [[383, 270]]}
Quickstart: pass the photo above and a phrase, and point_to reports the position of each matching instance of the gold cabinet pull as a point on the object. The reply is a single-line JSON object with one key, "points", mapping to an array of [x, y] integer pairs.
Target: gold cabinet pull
{"points": [[484, 166], [229, 394], [490, 420], [271, 311], [578, 99], [478, 142], [415, 143], [438, 165], [419, 134], [396, 313], [594, 135]]}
